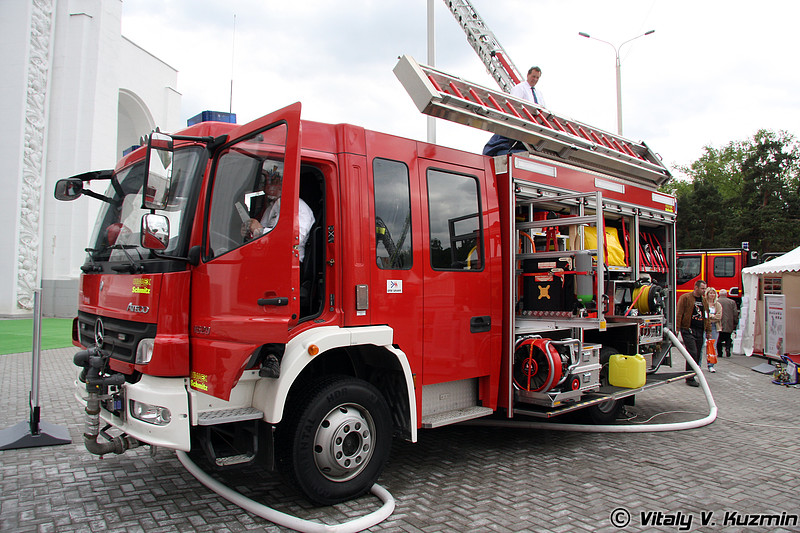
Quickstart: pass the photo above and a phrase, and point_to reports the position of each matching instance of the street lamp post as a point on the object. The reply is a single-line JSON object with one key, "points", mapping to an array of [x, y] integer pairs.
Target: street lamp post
{"points": [[431, 62], [619, 71]]}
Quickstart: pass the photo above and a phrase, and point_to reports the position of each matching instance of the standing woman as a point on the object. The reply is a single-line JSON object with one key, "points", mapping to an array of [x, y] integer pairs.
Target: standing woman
{"points": [[714, 317]]}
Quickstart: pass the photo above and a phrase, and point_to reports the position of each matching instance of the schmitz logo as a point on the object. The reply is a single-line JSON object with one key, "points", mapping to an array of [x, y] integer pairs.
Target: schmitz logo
{"points": [[141, 286], [138, 308]]}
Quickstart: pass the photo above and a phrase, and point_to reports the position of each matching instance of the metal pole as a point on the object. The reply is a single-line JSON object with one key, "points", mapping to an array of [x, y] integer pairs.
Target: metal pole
{"points": [[432, 63], [618, 67], [233, 56], [37, 342], [34, 432], [619, 96]]}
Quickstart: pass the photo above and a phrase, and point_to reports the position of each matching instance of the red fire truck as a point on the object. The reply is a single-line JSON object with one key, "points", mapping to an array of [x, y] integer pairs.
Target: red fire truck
{"points": [[721, 268], [435, 286]]}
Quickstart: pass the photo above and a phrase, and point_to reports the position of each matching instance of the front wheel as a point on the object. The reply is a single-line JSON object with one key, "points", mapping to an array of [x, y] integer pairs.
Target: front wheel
{"points": [[338, 439]]}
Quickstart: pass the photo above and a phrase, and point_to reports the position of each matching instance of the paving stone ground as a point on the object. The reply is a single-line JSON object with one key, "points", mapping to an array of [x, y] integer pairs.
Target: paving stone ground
{"points": [[464, 478]]}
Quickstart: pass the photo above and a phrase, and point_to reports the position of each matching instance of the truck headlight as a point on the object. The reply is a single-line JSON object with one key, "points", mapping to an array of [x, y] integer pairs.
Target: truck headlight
{"points": [[152, 414], [144, 352]]}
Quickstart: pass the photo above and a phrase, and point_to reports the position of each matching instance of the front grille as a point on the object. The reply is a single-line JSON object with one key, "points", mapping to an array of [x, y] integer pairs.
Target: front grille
{"points": [[121, 336]]}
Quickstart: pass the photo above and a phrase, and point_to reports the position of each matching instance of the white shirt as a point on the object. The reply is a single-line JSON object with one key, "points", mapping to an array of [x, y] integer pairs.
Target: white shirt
{"points": [[524, 91], [305, 219]]}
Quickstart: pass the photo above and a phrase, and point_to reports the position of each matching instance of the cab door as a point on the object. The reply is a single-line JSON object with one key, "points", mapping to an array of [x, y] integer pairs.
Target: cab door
{"points": [[458, 290], [396, 270], [690, 268], [245, 292]]}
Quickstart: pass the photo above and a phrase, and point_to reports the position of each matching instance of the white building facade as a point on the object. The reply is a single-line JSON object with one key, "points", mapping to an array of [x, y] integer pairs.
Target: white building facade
{"points": [[75, 93]]}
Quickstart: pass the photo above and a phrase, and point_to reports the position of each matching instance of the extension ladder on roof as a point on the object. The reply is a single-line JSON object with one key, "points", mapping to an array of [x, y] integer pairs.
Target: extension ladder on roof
{"points": [[444, 96], [483, 41]]}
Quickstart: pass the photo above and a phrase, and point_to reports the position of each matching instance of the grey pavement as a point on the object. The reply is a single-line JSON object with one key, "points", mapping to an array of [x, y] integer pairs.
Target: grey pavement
{"points": [[743, 466]]}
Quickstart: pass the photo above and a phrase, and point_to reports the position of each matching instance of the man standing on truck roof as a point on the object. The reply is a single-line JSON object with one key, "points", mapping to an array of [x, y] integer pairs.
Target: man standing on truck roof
{"points": [[526, 89], [693, 323]]}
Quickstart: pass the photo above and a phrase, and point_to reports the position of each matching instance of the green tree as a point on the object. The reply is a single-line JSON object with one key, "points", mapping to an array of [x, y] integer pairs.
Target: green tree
{"points": [[746, 191], [770, 192]]}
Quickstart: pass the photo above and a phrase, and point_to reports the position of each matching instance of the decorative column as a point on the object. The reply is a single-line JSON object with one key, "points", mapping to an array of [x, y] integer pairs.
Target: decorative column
{"points": [[40, 51]]}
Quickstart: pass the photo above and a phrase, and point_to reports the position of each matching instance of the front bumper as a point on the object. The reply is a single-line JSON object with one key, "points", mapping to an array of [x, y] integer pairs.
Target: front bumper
{"points": [[170, 393]]}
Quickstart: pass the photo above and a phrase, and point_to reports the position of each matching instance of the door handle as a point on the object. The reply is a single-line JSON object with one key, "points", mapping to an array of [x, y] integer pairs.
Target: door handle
{"points": [[273, 301], [480, 324]]}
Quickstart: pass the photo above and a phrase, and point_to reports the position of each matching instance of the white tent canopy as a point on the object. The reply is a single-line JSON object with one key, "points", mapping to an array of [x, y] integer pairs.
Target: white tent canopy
{"points": [[788, 262]]}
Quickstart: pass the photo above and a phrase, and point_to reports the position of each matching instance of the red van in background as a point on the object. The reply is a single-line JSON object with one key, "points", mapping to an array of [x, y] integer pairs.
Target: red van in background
{"points": [[720, 268]]}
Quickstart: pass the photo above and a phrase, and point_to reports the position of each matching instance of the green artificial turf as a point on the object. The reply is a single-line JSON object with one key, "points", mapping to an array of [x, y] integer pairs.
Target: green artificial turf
{"points": [[16, 336]]}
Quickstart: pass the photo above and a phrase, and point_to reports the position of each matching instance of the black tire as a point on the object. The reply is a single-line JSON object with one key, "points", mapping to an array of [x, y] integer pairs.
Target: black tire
{"points": [[605, 355], [338, 439], [605, 412]]}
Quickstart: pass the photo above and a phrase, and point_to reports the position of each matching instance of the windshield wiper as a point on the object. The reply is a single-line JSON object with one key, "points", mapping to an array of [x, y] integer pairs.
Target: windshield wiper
{"points": [[193, 258], [133, 267], [92, 266]]}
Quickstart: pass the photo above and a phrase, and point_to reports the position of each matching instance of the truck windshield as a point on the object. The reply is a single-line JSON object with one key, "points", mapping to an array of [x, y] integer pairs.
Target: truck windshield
{"points": [[119, 223]]}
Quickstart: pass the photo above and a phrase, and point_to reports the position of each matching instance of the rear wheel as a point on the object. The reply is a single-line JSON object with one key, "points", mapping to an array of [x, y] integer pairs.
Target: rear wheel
{"points": [[605, 412], [338, 439]]}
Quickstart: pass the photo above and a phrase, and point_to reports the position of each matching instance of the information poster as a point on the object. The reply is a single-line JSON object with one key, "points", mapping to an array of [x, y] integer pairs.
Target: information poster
{"points": [[775, 330]]}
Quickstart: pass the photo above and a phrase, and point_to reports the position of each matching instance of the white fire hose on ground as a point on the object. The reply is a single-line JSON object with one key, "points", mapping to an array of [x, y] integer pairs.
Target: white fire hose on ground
{"points": [[364, 522], [286, 520]]}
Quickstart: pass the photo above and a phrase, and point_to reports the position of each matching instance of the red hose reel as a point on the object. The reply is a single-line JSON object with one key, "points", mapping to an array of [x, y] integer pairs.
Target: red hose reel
{"points": [[538, 365]]}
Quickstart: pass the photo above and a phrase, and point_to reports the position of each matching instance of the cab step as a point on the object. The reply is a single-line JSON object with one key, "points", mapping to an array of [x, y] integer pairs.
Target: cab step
{"points": [[225, 416], [455, 416], [229, 437], [235, 459]]}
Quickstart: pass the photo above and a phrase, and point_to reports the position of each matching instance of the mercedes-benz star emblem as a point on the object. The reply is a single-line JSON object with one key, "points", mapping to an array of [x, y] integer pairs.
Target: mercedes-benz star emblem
{"points": [[99, 332]]}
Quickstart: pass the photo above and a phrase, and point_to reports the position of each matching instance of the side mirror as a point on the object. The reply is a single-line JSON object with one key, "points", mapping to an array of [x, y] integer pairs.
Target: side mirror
{"points": [[155, 232], [159, 171], [69, 189]]}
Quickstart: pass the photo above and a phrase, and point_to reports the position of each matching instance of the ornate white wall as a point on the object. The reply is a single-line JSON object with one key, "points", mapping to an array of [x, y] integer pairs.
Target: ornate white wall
{"points": [[74, 95]]}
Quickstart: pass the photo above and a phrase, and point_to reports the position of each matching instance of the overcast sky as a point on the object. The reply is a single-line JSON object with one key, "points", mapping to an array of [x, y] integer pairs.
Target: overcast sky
{"points": [[713, 72]]}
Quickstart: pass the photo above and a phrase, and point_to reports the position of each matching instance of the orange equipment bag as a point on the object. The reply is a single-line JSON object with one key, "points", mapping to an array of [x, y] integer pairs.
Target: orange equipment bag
{"points": [[711, 352]]}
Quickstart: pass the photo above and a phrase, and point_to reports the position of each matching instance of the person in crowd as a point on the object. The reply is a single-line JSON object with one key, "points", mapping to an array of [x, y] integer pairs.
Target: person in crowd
{"points": [[730, 319], [714, 317], [693, 323]]}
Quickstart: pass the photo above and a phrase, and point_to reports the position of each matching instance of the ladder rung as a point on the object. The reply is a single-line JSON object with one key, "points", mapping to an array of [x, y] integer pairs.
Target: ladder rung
{"points": [[495, 104], [572, 130], [476, 97], [513, 111], [557, 123], [455, 90], [435, 83]]}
